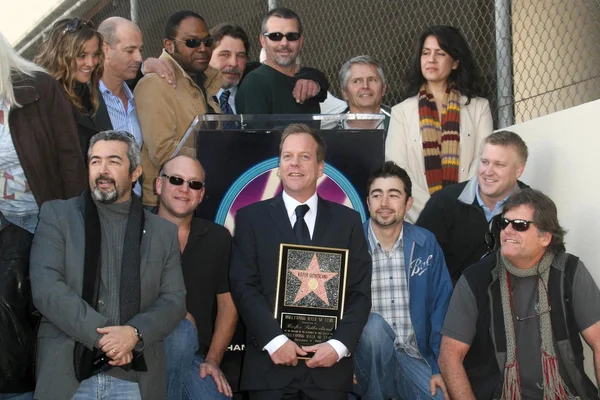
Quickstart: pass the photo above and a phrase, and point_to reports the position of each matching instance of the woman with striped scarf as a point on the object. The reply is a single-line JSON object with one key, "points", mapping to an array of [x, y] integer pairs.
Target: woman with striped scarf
{"points": [[436, 134]]}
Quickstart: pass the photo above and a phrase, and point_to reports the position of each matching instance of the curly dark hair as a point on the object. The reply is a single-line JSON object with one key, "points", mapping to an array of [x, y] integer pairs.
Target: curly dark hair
{"points": [[466, 76]]}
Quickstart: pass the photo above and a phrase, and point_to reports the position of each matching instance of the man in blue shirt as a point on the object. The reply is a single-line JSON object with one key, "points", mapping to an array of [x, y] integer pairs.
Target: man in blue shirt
{"points": [[410, 290], [461, 216], [122, 48]]}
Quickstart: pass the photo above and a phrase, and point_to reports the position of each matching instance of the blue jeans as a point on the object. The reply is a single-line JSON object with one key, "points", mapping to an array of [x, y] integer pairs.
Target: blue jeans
{"points": [[16, 396], [104, 386], [382, 371], [183, 366]]}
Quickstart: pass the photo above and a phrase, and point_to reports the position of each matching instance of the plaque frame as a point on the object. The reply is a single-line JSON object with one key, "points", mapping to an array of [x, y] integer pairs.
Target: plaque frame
{"points": [[310, 311]]}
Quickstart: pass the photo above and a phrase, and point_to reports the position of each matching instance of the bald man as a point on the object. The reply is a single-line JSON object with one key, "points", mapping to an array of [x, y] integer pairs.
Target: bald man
{"points": [[195, 349], [122, 49]]}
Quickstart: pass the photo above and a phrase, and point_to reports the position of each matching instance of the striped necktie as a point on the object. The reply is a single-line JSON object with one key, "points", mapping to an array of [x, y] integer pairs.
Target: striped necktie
{"points": [[224, 102]]}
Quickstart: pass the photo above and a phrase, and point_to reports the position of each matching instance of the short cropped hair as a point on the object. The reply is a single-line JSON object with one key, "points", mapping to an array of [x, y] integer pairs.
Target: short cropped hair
{"points": [[175, 20], [294, 129], [133, 150], [545, 215], [391, 170], [281, 12], [362, 60], [508, 138]]}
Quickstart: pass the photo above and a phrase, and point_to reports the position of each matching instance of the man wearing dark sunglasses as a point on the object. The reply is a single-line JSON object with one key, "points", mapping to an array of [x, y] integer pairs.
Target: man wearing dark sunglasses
{"points": [[195, 349], [461, 215], [274, 87], [165, 112], [513, 326]]}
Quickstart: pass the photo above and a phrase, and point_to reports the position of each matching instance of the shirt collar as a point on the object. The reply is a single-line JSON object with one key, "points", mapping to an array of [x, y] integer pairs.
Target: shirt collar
{"points": [[374, 242], [128, 92], [498, 203], [232, 91], [291, 203]]}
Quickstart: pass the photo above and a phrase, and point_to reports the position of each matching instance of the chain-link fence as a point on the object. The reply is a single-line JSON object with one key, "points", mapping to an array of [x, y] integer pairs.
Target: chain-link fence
{"points": [[535, 56]]}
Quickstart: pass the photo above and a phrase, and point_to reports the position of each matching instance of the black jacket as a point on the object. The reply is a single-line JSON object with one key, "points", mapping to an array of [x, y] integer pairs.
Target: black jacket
{"points": [[17, 323], [459, 225]]}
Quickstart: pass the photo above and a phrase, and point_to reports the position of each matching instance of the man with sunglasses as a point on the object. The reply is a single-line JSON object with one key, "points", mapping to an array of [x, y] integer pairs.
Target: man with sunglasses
{"points": [[273, 88], [460, 215], [165, 112], [513, 325], [195, 349]]}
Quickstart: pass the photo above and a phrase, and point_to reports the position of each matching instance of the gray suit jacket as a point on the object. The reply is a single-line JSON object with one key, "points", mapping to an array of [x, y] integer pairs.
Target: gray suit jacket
{"points": [[57, 259]]}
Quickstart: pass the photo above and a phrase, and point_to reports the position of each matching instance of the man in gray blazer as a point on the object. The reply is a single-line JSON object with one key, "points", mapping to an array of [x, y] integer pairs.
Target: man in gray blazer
{"points": [[106, 276]]}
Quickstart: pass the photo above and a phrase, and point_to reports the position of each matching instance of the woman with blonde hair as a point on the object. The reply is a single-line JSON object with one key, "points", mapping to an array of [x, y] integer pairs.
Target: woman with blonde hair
{"points": [[72, 54], [436, 134], [40, 160]]}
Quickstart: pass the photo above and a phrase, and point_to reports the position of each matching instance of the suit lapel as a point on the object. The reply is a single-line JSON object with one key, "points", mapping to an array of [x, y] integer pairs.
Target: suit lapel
{"points": [[102, 118], [322, 222], [279, 214], [144, 249]]}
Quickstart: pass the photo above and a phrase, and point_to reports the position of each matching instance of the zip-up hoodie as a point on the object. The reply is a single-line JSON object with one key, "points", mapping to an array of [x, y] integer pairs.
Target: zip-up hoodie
{"points": [[429, 287]]}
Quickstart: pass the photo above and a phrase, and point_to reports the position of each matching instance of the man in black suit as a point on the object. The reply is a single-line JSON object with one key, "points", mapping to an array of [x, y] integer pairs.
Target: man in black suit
{"points": [[271, 368]]}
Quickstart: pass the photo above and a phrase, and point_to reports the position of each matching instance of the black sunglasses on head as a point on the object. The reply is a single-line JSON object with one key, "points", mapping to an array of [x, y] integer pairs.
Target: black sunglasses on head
{"points": [[76, 24], [519, 225], [278, 36], [177, 181], [195, 43]]}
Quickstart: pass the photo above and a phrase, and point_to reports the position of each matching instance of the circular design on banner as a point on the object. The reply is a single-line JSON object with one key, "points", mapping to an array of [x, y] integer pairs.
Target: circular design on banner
{"points": [[261, 182]]}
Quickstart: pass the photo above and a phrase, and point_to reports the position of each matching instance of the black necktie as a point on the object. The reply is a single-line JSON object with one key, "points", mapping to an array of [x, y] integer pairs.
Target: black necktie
{"points": [[300, 227], [224, 102]]}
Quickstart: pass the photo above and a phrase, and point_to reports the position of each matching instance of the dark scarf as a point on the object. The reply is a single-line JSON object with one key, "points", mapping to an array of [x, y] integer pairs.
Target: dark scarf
{"points": [[129, 293]]}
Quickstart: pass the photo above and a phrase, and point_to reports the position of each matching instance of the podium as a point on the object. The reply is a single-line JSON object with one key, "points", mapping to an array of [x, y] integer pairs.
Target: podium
{"points": [[239, 154]]}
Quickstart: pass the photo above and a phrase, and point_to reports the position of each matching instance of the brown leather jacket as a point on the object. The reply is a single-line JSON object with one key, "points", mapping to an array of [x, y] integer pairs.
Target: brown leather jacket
{"points": [[45, 138]]}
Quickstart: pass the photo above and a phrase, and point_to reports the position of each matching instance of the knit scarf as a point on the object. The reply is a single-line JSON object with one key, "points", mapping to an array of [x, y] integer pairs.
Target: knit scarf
{"points": [[441, 139], [554, 386]]}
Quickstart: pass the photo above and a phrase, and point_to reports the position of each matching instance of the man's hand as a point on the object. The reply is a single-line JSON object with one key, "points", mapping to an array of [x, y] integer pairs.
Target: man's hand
{"points": [[437, 382], [325, 355], [117, 343], [162, 68], [305, 89], [212, 369], [287, 354]]}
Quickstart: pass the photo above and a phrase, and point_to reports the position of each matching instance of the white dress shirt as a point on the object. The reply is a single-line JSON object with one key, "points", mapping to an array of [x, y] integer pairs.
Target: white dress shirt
{"points": [[310, 218]]}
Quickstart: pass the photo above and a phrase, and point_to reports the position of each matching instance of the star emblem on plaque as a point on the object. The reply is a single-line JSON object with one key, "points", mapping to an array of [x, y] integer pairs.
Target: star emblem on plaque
{"points": [[310, 292]]}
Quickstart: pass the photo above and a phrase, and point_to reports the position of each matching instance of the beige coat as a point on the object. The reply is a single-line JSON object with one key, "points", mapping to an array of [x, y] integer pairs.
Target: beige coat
{"points": [[404, 144], [165, 113]]}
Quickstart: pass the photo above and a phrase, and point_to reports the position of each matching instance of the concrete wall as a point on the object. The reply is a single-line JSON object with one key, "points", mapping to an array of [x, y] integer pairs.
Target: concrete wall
{"points": [[563, 150]]}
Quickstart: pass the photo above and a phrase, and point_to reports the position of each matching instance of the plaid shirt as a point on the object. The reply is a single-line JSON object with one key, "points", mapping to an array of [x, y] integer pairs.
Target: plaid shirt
{"points": [[389, 292]]}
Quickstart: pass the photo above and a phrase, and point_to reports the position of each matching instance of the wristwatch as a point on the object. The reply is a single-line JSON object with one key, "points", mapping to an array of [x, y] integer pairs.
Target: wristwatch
{"points": [[138, 335]]}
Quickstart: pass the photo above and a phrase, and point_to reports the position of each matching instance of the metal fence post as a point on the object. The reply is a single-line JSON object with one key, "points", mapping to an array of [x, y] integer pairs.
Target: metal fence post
{"points": [[504, 63], [134, 11]]}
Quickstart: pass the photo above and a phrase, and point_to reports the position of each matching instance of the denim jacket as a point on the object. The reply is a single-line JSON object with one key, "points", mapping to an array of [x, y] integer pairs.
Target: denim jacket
{"points": [[430, 289]]}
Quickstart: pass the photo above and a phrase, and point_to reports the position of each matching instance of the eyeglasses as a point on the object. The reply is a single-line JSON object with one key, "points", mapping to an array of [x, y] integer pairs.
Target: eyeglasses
{"points": [[536, 309], [519, 225], [76, 24], [195, 43], [278, 36], [177, 181]]}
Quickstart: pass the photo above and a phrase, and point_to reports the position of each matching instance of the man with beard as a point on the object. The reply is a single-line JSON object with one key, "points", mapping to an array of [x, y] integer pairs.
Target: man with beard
{"points": [[165, 112], [273, 87], [410, 290], [229, 56], [122, 49], [106, 277]]}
